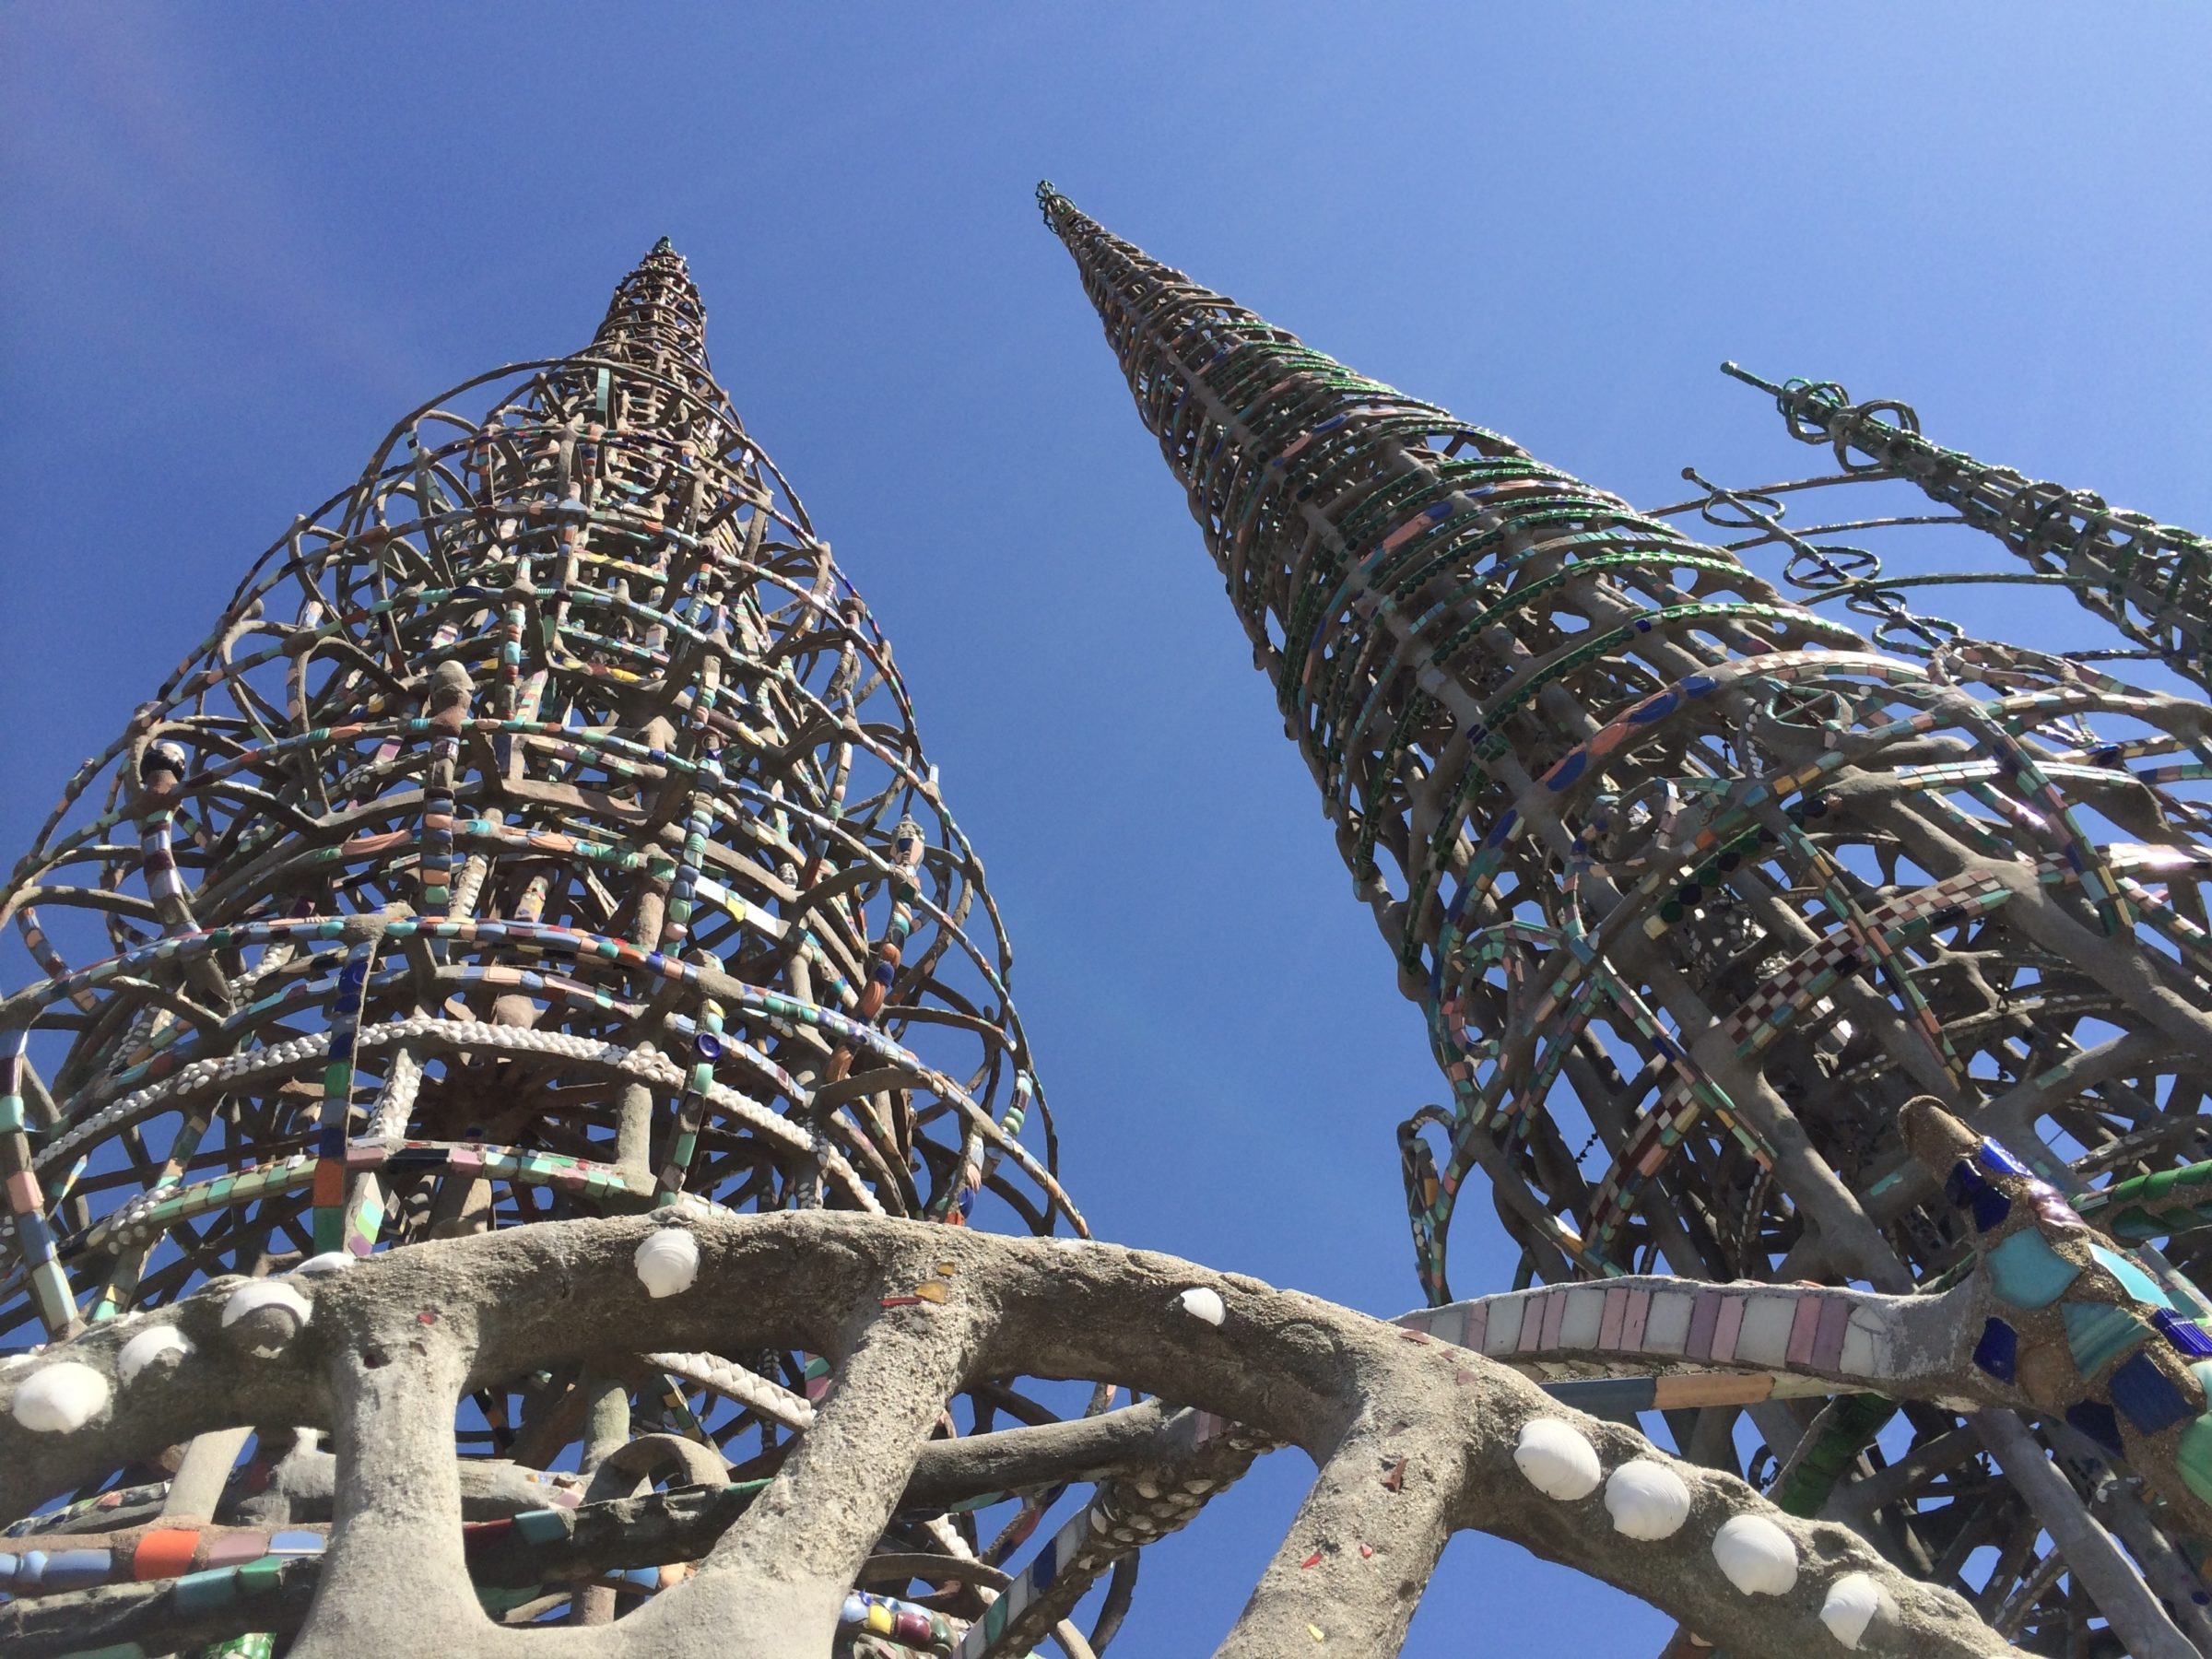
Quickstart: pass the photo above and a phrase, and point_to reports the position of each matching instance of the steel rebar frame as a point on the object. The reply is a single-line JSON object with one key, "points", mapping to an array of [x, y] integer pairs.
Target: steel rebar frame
{"points": [[2151, 582], [1672, 861], [410, 977], [541, 833], [581, 764]]}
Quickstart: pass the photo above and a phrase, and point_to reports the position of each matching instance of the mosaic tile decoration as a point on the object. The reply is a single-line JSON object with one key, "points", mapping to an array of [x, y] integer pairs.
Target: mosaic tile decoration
{"points": [[569, 854], [1415, 1439], [2053, 1319]]}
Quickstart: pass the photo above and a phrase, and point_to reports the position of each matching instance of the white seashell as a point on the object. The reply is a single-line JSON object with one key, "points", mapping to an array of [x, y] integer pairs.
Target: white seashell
{"points": [[1757, 1556], [57, 1398], [667, 1261], [1201, 1301], [158, 1345], [275, 1313], [1646, 1500], [330, 1261], [265, 1293], [1853, 1602], [1558, 1459]]}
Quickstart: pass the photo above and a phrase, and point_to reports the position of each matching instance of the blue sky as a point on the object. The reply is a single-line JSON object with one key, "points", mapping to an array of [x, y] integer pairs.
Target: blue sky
{"points": [[241, 240]]}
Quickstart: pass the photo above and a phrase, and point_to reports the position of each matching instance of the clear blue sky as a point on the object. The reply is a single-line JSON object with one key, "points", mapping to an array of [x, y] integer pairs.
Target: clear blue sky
{"points": [[240, 239]]}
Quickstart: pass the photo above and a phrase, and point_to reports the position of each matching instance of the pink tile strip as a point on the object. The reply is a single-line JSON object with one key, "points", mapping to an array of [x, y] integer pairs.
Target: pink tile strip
{"points": [[1608, 1323], [1805, 1327], [1555, 1309], [1828, 1343], [1532, 1321], [1727, 1326], [233, 1548], [1700, 1324], [1631, 1324]]}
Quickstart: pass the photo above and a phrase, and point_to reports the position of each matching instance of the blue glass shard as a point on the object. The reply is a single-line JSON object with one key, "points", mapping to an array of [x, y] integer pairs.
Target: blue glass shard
{"points": [[1960, 1185], [2148, 1395], [2184, 1334], [1998, 1161], [1998, 1352], [2095, 1420]]}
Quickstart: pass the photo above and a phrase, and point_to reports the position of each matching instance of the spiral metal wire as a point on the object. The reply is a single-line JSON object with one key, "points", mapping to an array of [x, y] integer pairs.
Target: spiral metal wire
{"points": [[2151, 582], [542, 831], [1686, 874]]}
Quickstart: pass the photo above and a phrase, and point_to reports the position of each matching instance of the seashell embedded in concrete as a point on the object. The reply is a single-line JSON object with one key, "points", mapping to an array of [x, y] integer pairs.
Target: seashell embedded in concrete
{"points": [[1558, 1458], [1647, 1499], [265, 1314], [1854, 1602], [159, 1346], [1201, 1301], [58, 1398], [667, 1261], [1757, 1556]]}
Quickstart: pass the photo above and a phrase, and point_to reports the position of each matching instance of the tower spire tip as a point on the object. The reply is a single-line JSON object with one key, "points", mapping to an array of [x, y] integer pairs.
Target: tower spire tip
{"points": [[657, 299]]}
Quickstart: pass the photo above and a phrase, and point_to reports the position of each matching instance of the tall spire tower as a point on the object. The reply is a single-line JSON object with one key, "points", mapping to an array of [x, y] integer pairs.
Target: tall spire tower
{"points": [[1695, 890], [542, 831]]}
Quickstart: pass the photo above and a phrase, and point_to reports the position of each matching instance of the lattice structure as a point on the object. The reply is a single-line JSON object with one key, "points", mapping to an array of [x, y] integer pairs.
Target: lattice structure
{"points": [[1681, 866], [570, 854], [2151, 581], [542, 832]]}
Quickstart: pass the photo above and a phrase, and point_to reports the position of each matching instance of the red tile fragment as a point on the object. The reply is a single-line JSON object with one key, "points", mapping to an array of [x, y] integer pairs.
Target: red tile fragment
{"points": [[166, 1553]]}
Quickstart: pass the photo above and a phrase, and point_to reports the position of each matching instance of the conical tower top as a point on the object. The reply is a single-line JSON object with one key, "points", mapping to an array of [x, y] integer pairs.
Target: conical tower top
{"points": [[657, 312], [1207, 341]]}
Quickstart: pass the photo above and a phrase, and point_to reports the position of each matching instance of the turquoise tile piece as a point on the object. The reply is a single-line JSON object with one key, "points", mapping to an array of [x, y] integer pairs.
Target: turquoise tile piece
{"points": [[541, 1527], [2137, 1283], [2194, 1457], [259, 1578], [204, 1592], [2028, 1273], [2099, 1332]]}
